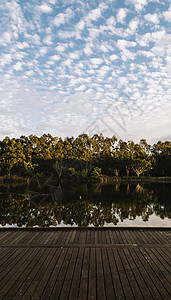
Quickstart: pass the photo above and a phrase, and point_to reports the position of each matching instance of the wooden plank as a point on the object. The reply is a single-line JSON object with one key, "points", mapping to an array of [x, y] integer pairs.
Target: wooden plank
{"points": [[164, 237], [69, 235], [153, 237], [104, 233], [96, 237], [33, 237], [5, 253], [49, 238], [112, 237], [25, 238], [100, 276], [60, 256], [138, 276], [130, 276], [64, 237], [132, 236], [99, 237], [11, 261], [129, 237], [4, 236], [77, 237], [124, 237], [40, 269], [61, 276], [57, 236], [50, 261], [119, 236], [92, 275], [28, 274], [109, 290], [115, 275], [141, 265], [22, 275], [12, 276], [140, 238], [12, 237], [156, 272], [88, 238], [82, 238], [74, 289], [73, 234], [83, 289], [164, 253], [69, 275], [161, 263], [158, 290], [123, 278]]}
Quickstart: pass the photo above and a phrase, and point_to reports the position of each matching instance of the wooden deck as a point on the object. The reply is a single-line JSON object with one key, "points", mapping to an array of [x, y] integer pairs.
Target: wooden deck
{"points": [[102, 263]]}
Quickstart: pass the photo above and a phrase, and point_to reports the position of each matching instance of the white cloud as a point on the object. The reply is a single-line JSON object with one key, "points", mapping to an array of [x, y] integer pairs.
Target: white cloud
{"points": [[95, 14], [168, 64], [5, 59], [88, 49], [62, 18], [18, 66], [22, 45], [66, 34], [74, 55], [121, 15], [43, 51], [113, 57], [45, 8], [61, 48], [96, 61], [48, 40], [133, 25], [167, 14], [122, 44], [80, 88], [152, 18], [145, 53], [55, 57], [6, 38], [111, 21], [80, 25], [139, 5]]}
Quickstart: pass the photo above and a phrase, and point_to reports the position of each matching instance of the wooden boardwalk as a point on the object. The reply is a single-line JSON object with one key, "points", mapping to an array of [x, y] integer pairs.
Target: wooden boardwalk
{"points": [[79, 263]]}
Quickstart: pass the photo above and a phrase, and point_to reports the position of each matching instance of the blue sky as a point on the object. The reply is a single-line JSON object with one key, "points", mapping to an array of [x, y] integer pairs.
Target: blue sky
{"points": [[74, 66]]}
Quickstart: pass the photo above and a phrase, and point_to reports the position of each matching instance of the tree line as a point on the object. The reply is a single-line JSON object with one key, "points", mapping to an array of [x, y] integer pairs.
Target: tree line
{"points": [[83, 157]]}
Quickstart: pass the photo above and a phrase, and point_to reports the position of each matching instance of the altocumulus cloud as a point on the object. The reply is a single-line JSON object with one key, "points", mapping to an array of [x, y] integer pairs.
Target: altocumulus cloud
{"points": [[67, 65]]}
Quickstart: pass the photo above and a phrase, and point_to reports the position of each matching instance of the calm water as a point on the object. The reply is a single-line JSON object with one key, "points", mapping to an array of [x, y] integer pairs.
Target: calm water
{"points": [[78, 204]]}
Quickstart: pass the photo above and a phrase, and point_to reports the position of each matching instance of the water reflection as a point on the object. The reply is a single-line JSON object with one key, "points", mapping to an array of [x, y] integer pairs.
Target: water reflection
{"points": [[83, 204]]}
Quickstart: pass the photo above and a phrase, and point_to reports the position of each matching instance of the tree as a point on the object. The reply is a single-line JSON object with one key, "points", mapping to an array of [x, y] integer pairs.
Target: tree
{"points": [[141, 165], [58, 166]]}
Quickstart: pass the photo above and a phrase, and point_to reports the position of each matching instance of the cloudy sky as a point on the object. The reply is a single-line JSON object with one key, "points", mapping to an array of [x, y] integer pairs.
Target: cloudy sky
{"points": [[74, 66]]}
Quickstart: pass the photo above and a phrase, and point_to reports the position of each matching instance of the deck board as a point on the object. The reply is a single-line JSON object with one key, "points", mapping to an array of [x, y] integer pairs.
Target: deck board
{"points": [[85, 263]]}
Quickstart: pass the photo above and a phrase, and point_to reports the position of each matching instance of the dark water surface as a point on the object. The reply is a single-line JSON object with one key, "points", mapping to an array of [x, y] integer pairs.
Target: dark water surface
{"points": [[78, 204]]}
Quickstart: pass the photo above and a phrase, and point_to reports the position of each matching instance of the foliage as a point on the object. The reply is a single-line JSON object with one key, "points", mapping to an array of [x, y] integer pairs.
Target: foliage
{"points": [[86, 155], [96, 172]]}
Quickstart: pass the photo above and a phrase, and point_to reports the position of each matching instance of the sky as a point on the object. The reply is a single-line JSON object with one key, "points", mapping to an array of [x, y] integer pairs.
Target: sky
{"points": [[69, 67]]}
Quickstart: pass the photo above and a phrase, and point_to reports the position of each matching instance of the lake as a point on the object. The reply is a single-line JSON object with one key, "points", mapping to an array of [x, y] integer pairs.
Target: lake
{"points": [[85, 204]]}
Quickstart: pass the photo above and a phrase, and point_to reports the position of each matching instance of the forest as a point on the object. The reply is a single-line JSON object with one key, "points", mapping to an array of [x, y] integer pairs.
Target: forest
{"points": [[82, 157]]}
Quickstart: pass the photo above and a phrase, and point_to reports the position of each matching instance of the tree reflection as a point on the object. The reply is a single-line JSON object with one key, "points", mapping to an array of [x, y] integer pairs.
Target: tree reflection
{"points": [[82, 205]]}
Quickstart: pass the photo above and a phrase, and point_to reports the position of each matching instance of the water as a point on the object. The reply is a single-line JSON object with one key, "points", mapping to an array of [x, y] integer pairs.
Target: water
{"points": [[82, 204]]}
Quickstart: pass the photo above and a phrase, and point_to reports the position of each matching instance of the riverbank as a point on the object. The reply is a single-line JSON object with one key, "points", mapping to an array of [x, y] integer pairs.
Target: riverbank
{"points": [[103, 179]]}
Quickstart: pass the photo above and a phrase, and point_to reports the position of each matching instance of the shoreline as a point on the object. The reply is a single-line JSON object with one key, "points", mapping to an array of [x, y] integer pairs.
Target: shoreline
{"points": [[102, 179]]}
